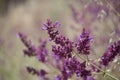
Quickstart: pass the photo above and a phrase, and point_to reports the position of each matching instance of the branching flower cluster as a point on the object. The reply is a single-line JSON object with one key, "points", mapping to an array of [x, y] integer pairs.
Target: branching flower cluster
{"points": [[67, 55]]}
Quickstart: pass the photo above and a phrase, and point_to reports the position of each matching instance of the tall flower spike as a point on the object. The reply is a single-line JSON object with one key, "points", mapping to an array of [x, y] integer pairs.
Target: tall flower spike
{"points": [[83, 44], [54, 34], [112, 51], [32, 71], [41, 73], [42, 51], [31, 50], [67, 45], [61, 52], [62, 40], [72, 65], [58, 77], [50, 27], [24, 39]]}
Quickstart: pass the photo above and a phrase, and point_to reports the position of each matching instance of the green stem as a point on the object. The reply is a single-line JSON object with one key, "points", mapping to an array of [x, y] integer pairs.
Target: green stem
{"points": [[97, 67]]}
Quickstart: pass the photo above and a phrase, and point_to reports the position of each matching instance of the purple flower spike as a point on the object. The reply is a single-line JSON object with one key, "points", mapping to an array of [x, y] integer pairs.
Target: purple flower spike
{"points": [[62, 40], [58, 77], [112, 51], [31, 50], [72, 65], [56, 24], [50, 27], [47, 24], [24, 39], [32, 71], [42, 51], [42, 73], [83, 45], [54, 34], [65, 47], [61, 52]]}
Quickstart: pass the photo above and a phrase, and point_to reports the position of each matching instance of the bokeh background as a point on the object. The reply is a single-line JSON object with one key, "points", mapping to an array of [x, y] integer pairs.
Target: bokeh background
{"points": [[27, 16]]}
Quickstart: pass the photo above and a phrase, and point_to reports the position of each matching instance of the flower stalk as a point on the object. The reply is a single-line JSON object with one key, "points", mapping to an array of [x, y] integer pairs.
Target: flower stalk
{"points": [[65, 54], [104, 72]]}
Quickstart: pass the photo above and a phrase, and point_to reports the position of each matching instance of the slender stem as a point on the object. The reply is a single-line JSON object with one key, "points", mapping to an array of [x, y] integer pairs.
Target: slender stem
{"points": [[97, 67], [112, 7], [87, 59], [105, 71]]}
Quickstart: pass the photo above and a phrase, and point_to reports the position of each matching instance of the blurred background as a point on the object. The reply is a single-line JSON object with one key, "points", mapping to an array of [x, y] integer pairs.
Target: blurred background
{"points": [[27, 16]]}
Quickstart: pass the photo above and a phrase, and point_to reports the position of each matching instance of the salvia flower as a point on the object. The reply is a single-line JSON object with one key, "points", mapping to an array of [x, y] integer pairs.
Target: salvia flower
{"points": [[42, 52], [24, 39], [73, 66], [58, 77], [50, 27], [112, 51], [54, 34], [32, 71], [65, 45], [83, 44], [66, 63], [31, 50], [41, 73], [82, 71], [61, 52]]}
